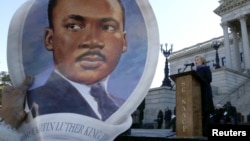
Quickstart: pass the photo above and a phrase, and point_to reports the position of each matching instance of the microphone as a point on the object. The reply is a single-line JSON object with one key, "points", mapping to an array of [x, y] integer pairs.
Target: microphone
{"points": [[189, 64]]}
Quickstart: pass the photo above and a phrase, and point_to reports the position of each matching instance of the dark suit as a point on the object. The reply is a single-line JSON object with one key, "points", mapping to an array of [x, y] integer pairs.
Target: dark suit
{"points": [[58, 96], [231, 115], [206, 89], [206, 96], [167, 117]]}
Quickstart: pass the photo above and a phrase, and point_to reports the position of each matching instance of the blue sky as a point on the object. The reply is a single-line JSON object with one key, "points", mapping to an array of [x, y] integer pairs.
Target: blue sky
{"points": [[182, 23]]}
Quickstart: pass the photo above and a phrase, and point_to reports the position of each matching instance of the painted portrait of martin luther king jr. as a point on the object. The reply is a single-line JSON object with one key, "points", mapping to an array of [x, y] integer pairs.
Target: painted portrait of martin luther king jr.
{"points": [[93, 58]]}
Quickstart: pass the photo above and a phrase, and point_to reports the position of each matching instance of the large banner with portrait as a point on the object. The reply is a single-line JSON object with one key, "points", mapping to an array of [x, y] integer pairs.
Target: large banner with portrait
{"points": [[77, 51]]}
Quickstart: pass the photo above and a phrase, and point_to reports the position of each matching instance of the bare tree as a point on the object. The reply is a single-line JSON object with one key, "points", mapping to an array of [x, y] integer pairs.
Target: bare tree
{"points": [[4, 80]]}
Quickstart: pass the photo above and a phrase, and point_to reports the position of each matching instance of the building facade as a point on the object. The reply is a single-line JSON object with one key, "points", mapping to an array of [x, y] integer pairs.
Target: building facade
{"points": [[228, 57], [231, 79]]}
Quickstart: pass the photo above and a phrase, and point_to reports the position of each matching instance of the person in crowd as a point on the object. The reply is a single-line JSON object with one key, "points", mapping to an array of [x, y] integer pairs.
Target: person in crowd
{"points": [[218, 114], [230, 114], [87, 39], [159, 119], [136, 119], [167, 117], [206, 92], [172, 123]]}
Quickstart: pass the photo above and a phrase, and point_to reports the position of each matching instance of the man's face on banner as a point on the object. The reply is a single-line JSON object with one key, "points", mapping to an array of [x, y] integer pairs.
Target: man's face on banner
{"points": [[87, 38]]}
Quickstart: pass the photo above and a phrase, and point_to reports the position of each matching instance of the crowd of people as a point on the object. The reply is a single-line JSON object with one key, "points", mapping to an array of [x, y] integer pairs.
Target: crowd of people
{"points": [[225, 114], [165, 120], [168, 118]]}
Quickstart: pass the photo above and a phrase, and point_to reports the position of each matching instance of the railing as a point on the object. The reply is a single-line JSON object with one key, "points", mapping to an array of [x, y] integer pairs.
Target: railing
{"points": [[243, 86]]}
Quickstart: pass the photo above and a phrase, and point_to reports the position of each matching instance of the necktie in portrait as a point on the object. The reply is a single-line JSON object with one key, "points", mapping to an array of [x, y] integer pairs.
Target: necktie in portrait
{"points": [[106, 106]]}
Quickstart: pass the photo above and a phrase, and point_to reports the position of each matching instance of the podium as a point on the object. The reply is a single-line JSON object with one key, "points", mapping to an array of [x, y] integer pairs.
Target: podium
{"points": [[188, 104]]}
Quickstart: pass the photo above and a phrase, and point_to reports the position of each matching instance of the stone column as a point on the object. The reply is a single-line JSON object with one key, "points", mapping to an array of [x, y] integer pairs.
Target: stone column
{"points": [[227, 45], [245, 42], [235, 49]]}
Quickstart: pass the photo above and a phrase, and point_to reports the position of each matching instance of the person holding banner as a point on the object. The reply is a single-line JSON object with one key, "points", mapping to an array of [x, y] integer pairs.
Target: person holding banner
{"points": [[87, 39], [84, 42], [12, 113], [206, 91]]}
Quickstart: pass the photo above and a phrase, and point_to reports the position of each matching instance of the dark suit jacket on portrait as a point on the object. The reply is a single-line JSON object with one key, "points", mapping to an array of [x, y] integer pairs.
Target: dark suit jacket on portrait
{"points": [[58, 96]]}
